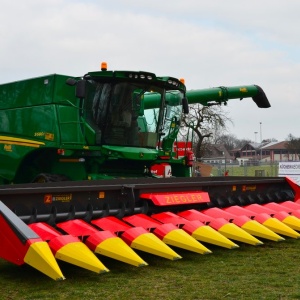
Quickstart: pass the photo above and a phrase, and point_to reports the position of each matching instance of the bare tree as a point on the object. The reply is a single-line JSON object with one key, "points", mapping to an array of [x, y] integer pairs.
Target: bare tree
{"points": [[293, 145], [205, 122], [242, 142], [228, 140]]}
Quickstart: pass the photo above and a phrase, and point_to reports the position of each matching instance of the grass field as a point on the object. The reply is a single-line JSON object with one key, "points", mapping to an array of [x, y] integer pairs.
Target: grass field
{"points": [[270, 271], [234, 170]]}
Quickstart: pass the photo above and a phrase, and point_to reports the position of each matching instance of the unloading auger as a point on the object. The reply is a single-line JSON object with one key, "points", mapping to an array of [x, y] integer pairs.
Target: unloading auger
{"points": [[79, 179]]}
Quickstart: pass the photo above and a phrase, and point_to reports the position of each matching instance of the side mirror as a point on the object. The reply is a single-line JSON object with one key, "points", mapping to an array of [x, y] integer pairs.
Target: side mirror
{"points": [[80, 88], [71, 81], [185, 105]]}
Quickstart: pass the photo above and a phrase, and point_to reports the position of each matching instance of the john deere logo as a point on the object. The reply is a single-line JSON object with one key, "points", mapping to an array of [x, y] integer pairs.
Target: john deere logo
{"points": [[141, 154], [49, 136], [8, 148]]}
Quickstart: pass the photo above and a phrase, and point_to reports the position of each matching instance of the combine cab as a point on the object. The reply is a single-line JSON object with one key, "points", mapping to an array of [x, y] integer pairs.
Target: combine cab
{"points": [[88, 168]]}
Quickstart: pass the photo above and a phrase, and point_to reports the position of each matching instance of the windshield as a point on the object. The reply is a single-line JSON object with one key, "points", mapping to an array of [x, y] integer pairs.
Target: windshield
{"points": [[116, 111]]}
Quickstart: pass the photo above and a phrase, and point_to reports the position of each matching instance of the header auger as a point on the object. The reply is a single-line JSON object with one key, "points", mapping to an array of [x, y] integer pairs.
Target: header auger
{"points": [[78, 176]]}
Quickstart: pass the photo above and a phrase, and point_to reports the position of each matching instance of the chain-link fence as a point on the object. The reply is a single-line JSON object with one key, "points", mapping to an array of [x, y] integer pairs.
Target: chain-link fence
{"points": [[268, 169]]}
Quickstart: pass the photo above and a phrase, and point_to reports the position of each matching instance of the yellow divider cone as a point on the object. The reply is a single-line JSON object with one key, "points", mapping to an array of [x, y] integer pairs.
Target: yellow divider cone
{"points": [[209, 235], [236, 233], [293, 222], [181, 239], [79, 254], [257, 229], [150, 243], [281, 228], [116, 248], [40, 257], [196, 229]]}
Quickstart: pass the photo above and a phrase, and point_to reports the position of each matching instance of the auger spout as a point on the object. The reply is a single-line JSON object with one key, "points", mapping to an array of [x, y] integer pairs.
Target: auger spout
{"points": [[220, 95], [210, 96]]}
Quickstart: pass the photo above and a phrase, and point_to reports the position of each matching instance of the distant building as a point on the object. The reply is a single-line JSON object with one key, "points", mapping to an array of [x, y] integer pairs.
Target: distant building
{"points": [[279, 152], [253, 153], [249, 154], [216, 154]]}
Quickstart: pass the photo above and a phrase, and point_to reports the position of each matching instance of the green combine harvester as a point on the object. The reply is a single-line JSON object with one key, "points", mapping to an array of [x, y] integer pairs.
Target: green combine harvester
{"points": [[88, 168], [108, 124]]}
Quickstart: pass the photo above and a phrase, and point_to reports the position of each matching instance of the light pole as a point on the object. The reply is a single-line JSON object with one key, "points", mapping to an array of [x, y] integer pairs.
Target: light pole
{"points": [[255, 133], [224, 162], [260, 123]]}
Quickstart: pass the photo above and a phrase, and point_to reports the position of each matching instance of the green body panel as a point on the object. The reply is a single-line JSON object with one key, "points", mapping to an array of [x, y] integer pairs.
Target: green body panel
{"points": [[10, 156], [42, 114], [36, 122], [71, 131], [43, 109], [108, 124], [130, 153], [36, 91]]}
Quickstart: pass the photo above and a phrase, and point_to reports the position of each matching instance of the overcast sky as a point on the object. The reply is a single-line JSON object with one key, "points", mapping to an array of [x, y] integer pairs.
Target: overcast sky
{"points": [[209, 43]]}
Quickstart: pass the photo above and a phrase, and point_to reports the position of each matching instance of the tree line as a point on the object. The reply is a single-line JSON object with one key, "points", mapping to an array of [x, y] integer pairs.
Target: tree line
{"points": [[206, 125]]}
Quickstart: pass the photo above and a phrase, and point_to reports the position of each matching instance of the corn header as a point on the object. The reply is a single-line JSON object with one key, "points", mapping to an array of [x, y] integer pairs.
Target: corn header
{"points": [[79, 175]]}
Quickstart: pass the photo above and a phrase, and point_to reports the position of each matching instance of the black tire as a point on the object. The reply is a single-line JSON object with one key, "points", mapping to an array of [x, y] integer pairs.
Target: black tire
{"points": [[45, 177]]}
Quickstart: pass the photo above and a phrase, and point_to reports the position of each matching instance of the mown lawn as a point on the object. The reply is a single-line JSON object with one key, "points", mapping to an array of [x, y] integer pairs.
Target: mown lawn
{"points": [[270, 271], [268, 170]]}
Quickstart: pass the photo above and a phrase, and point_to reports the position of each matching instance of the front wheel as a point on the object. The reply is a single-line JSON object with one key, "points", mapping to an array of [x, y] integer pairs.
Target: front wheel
{"points": [[45, 177]]}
